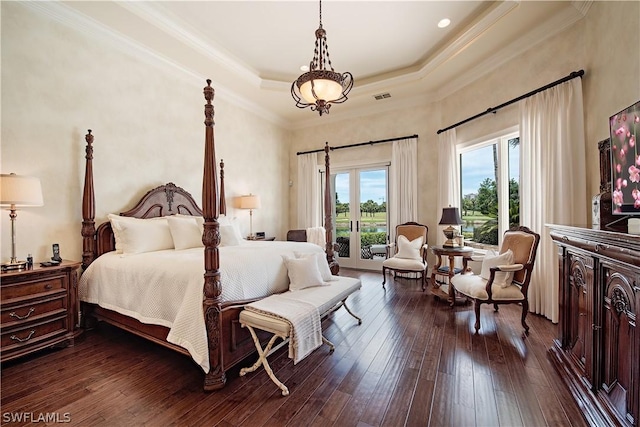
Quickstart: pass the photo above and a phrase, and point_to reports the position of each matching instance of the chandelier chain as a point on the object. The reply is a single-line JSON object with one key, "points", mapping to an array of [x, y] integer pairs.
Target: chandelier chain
{"points": [[321, 86]]}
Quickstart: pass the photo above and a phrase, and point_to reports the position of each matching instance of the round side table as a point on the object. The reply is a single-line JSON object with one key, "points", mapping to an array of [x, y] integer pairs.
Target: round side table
{"points": [[448, 270]]}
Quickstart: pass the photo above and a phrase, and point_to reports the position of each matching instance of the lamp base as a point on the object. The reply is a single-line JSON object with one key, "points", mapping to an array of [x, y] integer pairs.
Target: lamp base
{"points": [[450, 243], [14, 265], [251, 237], [450, 234]]}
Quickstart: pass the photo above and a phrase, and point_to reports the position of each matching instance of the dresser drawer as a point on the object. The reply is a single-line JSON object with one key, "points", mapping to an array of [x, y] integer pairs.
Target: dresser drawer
{"points": [[33, 334], [32, 288], [16, 314]]}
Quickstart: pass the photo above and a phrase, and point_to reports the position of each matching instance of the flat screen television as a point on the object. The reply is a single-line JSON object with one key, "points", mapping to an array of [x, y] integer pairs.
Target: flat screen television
{"points": [[625, 161]]}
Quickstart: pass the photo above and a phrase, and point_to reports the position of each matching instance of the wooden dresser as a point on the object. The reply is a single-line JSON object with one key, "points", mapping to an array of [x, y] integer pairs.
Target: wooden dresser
{"points": [[597, 352], [39, 308]]}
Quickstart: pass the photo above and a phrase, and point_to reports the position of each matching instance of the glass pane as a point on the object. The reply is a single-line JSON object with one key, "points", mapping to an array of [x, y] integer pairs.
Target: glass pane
{"points": [[514, 182], [342, 214], [373, 213], [478, 178]]}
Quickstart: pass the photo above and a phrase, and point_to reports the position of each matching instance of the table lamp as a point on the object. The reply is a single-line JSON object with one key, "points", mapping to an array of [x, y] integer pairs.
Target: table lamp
{"points": [[450, 217], [18, 191], [250, 202]]}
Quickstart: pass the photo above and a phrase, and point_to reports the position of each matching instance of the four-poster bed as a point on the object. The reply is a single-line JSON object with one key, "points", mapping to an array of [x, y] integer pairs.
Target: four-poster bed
{"points": [[227, 343]]}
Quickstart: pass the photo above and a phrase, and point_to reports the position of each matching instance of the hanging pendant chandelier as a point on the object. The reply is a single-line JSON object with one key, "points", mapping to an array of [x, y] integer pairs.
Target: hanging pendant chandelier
{"points": [[320, 87]]}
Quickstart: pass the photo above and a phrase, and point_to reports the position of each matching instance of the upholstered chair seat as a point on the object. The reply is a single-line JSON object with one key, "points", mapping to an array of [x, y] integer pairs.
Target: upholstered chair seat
{"points": [[408, 252], [505, 277], [404, 264], [474, 286]]}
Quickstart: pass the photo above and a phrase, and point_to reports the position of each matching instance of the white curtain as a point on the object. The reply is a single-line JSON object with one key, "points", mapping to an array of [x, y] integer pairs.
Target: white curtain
{"points": [[553, 172], [403, 183], [309, 214], [448, 177]]}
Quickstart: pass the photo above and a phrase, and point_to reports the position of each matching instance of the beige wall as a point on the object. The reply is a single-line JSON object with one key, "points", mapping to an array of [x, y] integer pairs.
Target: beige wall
{"points": [[147, 119]]}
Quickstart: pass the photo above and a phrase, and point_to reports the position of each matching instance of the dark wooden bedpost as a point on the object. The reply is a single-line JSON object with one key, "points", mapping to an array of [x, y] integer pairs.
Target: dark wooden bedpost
{"points": [[215, 378], [328, 214], [88, 207], [223, 202]]}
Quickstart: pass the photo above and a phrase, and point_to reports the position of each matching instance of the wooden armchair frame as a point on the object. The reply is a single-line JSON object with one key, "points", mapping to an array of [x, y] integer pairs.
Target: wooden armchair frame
{"points": [[515, 239], [411, 230]]}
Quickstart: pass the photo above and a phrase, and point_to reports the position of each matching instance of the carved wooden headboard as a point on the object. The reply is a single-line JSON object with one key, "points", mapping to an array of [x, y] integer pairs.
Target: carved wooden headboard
{"points": [[168, 199]]}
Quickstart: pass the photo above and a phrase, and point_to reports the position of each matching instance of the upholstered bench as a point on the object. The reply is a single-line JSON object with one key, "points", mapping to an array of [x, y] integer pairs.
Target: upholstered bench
{"points": [[326, 299]]}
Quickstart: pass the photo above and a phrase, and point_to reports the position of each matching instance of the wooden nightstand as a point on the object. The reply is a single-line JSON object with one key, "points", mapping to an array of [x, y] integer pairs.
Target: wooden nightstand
{"points": [[39, 308]]}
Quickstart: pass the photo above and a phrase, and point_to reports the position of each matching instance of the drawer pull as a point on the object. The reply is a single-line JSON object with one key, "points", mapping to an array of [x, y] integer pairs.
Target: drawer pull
{"points": [[48, 286], [17, 316], [15, 338], [595, 327]]}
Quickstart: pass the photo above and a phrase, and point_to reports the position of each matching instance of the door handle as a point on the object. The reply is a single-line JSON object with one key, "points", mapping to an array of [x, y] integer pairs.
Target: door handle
{"points": [[350, 226], [358, 226]]}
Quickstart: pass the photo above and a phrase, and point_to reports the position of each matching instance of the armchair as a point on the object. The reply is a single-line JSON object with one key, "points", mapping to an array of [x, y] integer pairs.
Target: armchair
{"points": [[408, 254], [504, 278]]}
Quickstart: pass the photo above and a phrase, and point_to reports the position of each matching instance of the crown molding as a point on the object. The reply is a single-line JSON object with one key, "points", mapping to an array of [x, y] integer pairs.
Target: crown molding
{"points": [[177, 29], [66, 15], [550, 28]]}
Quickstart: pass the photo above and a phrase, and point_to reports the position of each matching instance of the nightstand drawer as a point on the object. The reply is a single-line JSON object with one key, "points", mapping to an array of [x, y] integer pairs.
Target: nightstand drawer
{"points": [[38, 308], [13, 315], [32, 335], [32, 288]]}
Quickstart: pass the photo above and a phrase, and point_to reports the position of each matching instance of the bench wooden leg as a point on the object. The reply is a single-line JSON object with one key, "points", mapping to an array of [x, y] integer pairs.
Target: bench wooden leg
{"points": [[262, 360]]}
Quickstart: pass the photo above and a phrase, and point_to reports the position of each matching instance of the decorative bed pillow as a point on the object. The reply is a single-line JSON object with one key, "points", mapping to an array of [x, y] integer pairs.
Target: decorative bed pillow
{"points": [[185, 232], [409, 249], [303, 273], [323, 266], [491, 259], [235, 223], [229, 236], [136, 235], [199, 220], [224, 220]]}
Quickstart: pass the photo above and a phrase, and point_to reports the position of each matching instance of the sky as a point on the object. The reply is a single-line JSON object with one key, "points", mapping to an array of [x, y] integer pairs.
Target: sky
{"points": [[372, 186], [478, 165]]}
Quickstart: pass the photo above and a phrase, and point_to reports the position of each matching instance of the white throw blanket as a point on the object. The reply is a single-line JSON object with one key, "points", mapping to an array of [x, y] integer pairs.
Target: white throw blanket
{"points": [[317, 235], [303, 319]]}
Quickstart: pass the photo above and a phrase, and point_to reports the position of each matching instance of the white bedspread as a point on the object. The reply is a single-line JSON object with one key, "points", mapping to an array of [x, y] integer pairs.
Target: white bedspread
{"points": [[165, 287], [303, 319]]}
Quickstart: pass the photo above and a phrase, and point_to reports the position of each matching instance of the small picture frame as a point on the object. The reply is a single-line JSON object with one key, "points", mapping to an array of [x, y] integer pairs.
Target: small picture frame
{"points": [[260, 235]]}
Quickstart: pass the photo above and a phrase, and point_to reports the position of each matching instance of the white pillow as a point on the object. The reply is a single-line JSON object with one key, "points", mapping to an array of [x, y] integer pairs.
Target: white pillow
{"points": [[199, 220], [235, 223], [223, 220], [323, 266], [185, 232], [303, 273], [491, 259], [136, 235], [409, 249], [228, 236]]}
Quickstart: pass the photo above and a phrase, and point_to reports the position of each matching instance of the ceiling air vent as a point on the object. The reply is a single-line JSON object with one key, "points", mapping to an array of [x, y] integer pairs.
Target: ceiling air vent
{"points": [[380, 96]]}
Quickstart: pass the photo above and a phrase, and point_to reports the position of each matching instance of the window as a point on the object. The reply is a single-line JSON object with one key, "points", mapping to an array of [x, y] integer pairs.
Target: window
{"points": [[489, 185]]}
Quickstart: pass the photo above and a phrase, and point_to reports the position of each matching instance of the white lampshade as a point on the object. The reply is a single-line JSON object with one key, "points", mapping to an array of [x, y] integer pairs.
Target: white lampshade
{"points": [[325, 89], [18, 190], [250, 202]]}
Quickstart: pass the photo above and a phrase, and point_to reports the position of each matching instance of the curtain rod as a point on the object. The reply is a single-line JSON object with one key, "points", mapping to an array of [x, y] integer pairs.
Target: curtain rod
{"points": [[358, 144], [571, 76]]}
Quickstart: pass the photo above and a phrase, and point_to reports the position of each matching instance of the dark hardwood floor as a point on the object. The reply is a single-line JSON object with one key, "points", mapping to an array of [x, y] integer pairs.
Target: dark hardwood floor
{"points": [[414, 361]]}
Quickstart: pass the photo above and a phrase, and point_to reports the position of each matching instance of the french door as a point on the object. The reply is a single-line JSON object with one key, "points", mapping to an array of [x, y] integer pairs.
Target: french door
{"points": [[360, 216]]}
